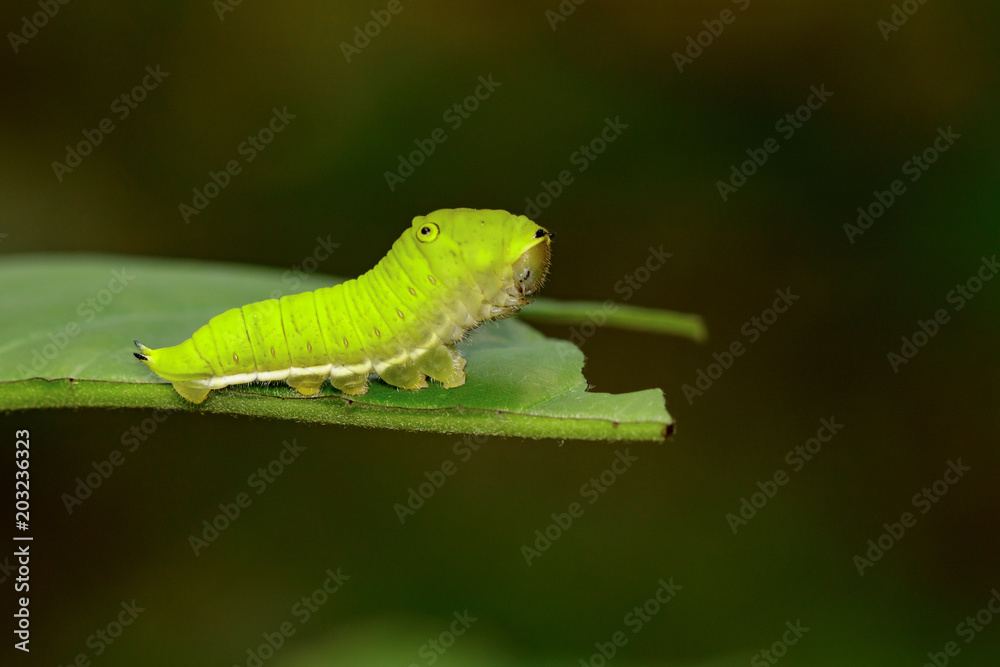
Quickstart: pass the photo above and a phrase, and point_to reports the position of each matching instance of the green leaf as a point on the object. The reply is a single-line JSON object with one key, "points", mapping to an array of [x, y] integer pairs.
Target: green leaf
{"points": [[69, 322]]}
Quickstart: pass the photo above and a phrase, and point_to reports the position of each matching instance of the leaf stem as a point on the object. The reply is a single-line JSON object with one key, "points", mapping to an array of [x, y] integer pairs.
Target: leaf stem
{"points": [[619, 316]]}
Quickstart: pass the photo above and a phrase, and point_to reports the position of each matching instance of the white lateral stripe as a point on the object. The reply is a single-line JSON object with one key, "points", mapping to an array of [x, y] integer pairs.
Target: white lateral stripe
{"points": [[221, 381], [271, 376], [398, 359], [360, 369], [293, 373], [309, 371]]}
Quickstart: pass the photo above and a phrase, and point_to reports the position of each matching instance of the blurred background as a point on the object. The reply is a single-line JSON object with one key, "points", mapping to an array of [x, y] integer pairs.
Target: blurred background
{"points": [[693, 91]]}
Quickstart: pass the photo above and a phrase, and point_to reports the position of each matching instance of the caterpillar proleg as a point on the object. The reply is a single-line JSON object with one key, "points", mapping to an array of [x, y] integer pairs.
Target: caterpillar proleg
{"points": [[450, 271]]}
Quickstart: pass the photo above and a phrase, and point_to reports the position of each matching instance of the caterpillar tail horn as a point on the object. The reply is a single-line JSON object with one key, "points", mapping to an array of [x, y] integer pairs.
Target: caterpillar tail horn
{"points": [[145, 351], [192, 391]]}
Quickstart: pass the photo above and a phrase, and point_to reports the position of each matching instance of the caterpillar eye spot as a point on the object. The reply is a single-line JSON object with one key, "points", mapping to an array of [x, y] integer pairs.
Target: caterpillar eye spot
{"points": [[428, 232], [540, 233]]}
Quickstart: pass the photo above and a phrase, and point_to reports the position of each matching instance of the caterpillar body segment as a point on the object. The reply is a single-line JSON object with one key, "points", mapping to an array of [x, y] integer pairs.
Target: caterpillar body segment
{"points": [[450, 271]]}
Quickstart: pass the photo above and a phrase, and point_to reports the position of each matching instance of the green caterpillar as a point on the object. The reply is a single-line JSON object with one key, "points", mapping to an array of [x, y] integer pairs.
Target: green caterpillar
{"points": [[450, 271]]}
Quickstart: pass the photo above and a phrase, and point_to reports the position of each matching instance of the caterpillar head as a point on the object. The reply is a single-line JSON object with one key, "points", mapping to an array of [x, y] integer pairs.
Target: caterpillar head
{"points": [[491, 245]]}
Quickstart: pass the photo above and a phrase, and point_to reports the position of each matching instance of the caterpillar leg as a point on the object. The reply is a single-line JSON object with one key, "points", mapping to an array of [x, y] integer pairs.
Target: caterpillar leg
{"points": [[352, 385], [303, 387], [307, 383], [404, 376], [196, 393], [444, 364]]}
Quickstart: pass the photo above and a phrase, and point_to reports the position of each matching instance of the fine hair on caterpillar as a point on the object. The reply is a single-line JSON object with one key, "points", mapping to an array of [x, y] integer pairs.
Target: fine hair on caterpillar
{"points": [[450, 271]]}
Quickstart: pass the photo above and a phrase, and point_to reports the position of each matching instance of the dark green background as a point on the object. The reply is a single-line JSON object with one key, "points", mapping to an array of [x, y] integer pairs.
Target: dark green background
{"points": [[655, 185]]}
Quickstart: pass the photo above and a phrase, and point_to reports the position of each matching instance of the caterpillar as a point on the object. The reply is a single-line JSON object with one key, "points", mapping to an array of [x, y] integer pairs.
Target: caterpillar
{"points": [[449, 271]]}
